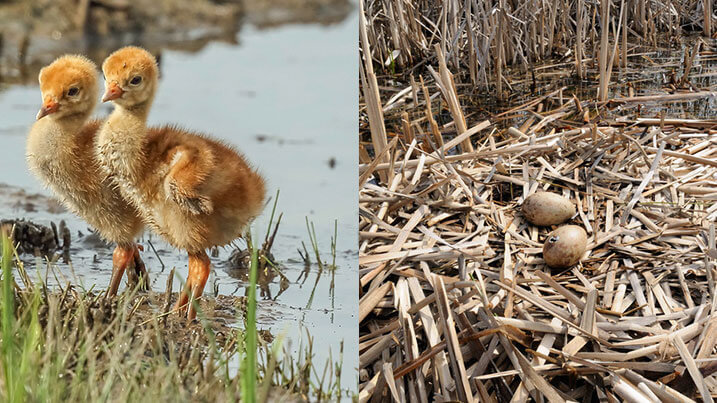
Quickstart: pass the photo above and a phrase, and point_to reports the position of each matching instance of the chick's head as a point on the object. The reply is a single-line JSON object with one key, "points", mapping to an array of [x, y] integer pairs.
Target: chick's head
{"points": [[130, 76], [69, 87]]}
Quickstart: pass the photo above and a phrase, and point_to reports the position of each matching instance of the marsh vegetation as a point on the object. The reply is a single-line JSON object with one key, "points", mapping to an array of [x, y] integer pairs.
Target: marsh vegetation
{"points": [[467, 109]]}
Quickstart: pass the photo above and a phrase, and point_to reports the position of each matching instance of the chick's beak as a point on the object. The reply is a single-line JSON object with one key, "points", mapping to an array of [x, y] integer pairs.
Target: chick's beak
{"points": [[47, 108], [113, 92]]}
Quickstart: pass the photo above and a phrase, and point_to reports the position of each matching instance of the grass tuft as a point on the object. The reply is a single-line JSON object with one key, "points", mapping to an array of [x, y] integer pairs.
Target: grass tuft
{"points": [[74, 345]]}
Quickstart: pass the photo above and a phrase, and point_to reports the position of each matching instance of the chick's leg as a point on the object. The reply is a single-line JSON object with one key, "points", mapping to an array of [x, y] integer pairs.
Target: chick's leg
{"points": [[139, 273], [199, 276], [121, 257], [199, 268]]}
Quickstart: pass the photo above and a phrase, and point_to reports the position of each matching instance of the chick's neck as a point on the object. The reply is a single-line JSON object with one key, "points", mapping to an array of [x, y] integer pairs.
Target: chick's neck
{"points": [[70, 124], [129, 124], [131, 121]]}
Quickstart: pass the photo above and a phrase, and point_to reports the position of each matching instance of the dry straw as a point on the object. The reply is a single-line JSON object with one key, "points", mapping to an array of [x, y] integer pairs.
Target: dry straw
{"points": [[456, 301]]}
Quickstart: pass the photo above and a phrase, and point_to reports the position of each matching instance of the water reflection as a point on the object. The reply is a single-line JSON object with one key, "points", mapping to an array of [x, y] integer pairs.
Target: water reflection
{"points": [[32, 34]]}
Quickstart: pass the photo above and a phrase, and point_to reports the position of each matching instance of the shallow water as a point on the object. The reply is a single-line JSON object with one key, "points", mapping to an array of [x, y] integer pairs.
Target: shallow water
{"points": [[287, 98]]}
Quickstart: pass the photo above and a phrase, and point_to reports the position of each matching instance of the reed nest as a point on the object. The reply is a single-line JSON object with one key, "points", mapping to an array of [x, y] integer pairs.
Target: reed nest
{"points": [[456, 302]]}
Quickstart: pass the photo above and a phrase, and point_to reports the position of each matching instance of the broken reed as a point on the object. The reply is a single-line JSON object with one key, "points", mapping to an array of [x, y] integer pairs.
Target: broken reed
{"points": [[457, 303]]}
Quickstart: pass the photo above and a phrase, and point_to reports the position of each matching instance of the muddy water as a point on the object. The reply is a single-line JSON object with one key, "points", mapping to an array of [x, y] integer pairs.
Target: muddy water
{"points": [[650, 71], [287, 98]]}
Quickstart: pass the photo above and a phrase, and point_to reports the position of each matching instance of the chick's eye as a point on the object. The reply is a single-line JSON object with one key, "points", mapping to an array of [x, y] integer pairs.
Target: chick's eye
{"points": [[136, 80], [73, 91]]}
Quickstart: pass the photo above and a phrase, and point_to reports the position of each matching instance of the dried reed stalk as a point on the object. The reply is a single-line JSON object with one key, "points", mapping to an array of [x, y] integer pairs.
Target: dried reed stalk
{"points": [[484, 37], [370, 89]]}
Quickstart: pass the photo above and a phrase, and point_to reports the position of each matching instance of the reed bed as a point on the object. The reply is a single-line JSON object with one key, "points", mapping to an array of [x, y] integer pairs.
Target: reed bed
{"points": [[484, 37], [456, 302]]}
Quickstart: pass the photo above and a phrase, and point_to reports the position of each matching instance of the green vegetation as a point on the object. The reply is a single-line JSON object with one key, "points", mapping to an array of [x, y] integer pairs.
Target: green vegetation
{"points": [[74, 345], [249, 364]]}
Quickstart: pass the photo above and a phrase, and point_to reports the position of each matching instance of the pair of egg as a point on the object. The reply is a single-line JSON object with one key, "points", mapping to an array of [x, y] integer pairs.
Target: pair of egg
{"points": [[566, 245]]}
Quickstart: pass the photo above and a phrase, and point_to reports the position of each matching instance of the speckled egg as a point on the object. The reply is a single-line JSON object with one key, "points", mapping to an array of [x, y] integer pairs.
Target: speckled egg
{"points": [[565, 246], [545, 209]]}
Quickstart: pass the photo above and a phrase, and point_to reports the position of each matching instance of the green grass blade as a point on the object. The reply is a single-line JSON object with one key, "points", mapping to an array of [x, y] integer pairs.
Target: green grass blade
{"points": [[8, 320], [249, 367], [271, 218]]}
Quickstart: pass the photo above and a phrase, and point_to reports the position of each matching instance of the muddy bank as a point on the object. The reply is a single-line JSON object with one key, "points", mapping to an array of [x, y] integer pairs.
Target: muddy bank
{"points": [[17, 201], [220, 315], [272, 13], [160, 357], [35, 32], [44, 232]]}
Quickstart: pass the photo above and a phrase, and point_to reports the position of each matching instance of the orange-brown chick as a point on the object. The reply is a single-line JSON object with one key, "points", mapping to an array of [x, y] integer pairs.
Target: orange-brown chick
{"points": [[194, 191], [60, 152]]}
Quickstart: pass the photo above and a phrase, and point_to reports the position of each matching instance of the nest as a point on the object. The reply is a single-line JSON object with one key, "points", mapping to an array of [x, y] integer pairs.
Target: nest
{"points": [[456, 300]]}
